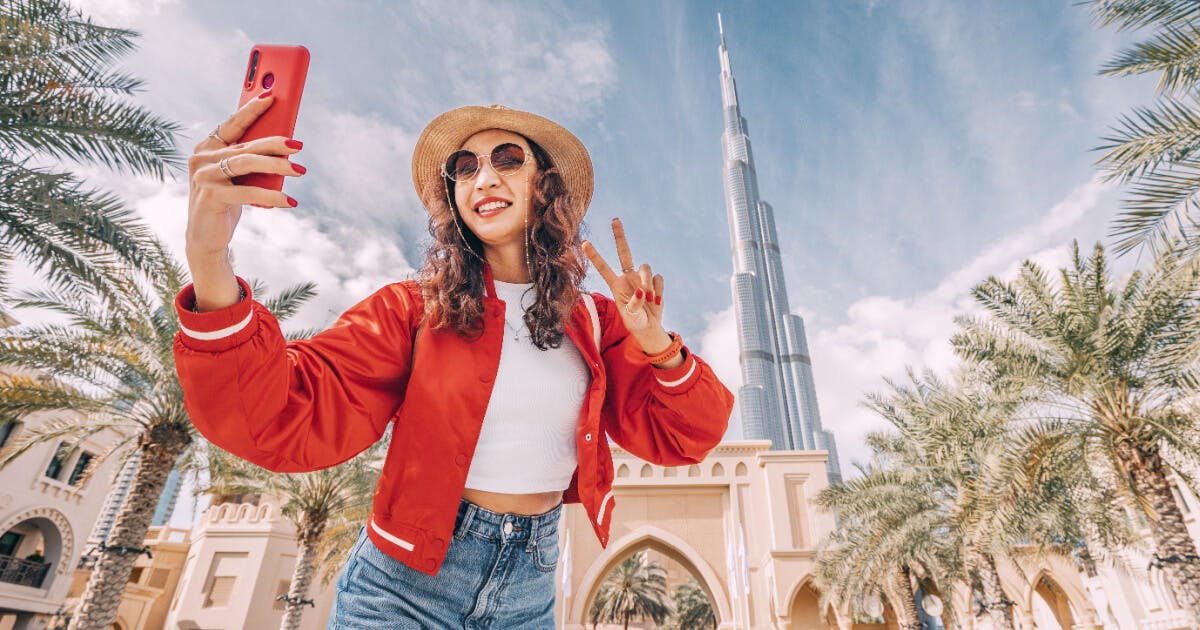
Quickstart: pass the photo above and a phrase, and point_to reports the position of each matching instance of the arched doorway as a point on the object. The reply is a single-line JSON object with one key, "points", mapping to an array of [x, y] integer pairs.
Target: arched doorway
{"points": [[682, 563], [805, 611], [30, 549], [1050, 605]]}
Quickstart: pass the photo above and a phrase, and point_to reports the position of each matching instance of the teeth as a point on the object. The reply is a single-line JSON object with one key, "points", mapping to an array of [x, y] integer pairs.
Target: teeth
{"points": [[495, 205]]}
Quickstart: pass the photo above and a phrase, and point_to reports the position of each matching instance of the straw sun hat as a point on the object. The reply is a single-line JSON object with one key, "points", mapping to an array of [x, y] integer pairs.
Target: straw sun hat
{"points": [[446, 134]]}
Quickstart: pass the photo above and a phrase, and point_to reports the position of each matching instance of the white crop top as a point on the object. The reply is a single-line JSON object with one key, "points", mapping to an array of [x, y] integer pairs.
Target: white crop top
{"points": [[527, 443]]}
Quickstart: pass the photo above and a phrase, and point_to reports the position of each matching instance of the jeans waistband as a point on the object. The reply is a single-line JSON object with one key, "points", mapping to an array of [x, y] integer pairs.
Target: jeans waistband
{"points": [[508, 527]]}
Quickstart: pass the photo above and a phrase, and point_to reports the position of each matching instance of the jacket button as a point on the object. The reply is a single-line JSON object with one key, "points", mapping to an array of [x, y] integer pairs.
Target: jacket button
{"points": [[587, 438], [431, 564], [486, 378], [439, 543], [460, 459]]}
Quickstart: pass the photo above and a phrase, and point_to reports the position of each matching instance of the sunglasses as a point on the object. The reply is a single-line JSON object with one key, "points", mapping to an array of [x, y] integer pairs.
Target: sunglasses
{"points": [[463, 165]]}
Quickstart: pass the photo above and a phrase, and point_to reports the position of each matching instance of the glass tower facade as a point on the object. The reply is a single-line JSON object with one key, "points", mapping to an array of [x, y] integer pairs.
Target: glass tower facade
{"points": [[777, 400]]}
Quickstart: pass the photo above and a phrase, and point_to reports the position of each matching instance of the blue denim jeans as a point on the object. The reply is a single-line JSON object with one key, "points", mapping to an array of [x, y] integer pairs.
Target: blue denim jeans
{"points": [[498, 573]]}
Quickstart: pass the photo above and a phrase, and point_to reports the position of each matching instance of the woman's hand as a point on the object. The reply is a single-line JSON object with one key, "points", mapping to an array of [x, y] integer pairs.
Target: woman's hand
{"points": [[638, 294], [215, 202]]}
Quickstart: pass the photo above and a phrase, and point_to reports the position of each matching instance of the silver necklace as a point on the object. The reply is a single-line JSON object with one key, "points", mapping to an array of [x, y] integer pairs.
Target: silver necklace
{"points": [[516, 331]]}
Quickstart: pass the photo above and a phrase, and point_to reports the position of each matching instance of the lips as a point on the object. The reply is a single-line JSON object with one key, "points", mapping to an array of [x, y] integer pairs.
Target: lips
{"points": [[491, 206]]}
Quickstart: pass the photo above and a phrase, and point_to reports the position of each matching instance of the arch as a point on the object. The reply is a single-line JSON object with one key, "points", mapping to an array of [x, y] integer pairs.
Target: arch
{"points": [[718, 470], [1058, 570], [693, 471], [1055, 598], [660, 540], [647, 471], [58, 539], [623, 471], [741, 470], [830, 616], [670, 471]]}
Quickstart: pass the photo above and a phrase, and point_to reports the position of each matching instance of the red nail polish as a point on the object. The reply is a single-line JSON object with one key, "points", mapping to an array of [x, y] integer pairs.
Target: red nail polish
{"points": [[265, 94], [260, 206], [294, 144], [639, 294], [657, 300], [291, 202], [299, 169]]}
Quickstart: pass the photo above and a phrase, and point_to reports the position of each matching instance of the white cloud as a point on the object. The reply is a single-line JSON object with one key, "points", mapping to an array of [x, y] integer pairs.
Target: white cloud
{"points": [[882, 335], [281, 248], [120, 13], [554, 67]]}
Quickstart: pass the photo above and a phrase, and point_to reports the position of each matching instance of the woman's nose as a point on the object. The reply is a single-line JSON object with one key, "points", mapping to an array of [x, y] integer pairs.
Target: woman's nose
{"points": [[487, 177]]}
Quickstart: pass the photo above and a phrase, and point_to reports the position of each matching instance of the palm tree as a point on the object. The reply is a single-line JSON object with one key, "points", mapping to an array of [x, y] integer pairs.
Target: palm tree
{"points": [[313, 501], [1108, 364], [635, 589], [1154, 148], [110, 368], [890, 526], [693, 610], [60, 99]]}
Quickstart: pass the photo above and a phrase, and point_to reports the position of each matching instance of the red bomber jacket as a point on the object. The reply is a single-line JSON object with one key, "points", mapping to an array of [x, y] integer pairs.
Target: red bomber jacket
{"points": [[303, 405]]}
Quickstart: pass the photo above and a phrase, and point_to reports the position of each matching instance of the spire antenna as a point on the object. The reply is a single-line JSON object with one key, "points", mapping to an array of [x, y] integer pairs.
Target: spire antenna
{"points": [[721, 28]]}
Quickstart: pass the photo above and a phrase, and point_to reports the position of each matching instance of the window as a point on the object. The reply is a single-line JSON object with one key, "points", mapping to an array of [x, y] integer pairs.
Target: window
{"points": [[81, 466], [54, 470], [222, 575], [158, 578], [281, 589], [9, 543], [219, 592], [7, 430], [135, 575]]}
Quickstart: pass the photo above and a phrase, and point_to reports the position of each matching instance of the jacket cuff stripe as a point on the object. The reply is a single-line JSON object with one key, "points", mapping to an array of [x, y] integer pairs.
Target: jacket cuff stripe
{"points": [[680, 381], [218, 334]]}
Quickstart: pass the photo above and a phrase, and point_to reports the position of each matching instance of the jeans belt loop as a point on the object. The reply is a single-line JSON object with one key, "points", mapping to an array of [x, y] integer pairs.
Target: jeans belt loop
{"points": [[466, 522], [533, 530]]}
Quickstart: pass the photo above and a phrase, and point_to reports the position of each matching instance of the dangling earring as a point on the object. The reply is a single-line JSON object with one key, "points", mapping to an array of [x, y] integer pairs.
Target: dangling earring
{"points": [[528, 267]]}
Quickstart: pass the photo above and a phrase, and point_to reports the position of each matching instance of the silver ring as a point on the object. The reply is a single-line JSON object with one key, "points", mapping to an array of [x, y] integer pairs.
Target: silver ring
{"points": [[224, 166], [629, 270], [215, 135]]}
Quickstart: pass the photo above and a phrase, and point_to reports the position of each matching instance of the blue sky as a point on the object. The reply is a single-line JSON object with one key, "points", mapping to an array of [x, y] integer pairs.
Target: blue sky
{"points": [[910, 148]]}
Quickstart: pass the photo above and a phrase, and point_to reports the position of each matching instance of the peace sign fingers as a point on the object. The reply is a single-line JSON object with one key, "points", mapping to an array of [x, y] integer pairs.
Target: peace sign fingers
{"points": [[635, 289]]}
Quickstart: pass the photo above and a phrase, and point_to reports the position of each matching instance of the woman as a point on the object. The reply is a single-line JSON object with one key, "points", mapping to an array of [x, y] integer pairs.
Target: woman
{"points": [[501, 378]]}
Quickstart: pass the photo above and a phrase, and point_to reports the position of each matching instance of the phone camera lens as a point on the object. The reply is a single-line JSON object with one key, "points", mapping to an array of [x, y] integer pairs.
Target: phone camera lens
{"points": [[268, 80], [253, 68]]}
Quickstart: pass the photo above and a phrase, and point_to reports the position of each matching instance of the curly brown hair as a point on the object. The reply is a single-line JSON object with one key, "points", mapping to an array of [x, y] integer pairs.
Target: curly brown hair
{"points": [[452, 277]]}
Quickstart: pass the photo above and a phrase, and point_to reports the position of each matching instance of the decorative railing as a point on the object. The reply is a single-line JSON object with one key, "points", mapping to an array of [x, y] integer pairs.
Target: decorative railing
{"points": [[22, 572]]}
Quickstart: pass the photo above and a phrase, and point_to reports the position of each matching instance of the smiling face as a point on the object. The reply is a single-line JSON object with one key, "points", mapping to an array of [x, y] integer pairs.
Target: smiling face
{"points": [[493, 206]]}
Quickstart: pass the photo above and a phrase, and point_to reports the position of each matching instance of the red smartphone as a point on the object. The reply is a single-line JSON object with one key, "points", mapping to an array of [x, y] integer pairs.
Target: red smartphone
{"points": [[281, 69]]}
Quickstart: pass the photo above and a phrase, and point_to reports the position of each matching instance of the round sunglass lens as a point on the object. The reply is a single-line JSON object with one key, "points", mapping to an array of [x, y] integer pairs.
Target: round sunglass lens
{"points": [[508, 159], [462, 165]]}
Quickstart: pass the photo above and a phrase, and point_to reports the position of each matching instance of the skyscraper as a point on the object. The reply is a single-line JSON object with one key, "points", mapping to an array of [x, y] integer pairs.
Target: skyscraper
{"points": [[777, 400]]}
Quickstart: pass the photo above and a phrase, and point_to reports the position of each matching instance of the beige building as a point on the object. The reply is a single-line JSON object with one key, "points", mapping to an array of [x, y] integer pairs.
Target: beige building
{"points": [[741, 524], [49, 500]]}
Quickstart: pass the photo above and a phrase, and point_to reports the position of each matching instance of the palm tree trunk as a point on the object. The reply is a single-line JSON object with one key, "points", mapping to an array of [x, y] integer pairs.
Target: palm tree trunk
{"points": [[1175, 550], [998, 607], [906, 600], [312, 526], [160, 449]]}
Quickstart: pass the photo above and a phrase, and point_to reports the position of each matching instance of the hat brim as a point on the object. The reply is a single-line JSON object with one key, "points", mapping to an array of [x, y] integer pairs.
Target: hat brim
{"points": [[447, 133]]}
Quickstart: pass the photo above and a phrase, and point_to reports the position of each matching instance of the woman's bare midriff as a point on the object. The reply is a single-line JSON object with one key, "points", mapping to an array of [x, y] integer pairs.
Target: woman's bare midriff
{"points": [[523, 504]]}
